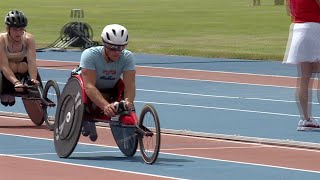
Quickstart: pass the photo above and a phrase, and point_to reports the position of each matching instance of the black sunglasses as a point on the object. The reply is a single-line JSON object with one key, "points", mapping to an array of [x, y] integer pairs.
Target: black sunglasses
{"points": [[115, 47]]}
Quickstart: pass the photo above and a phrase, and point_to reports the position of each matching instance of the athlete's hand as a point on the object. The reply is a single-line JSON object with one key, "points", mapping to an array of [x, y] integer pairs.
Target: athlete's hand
{"points": [[34, 81], [18, 86], [109, 110], [129, 105]]}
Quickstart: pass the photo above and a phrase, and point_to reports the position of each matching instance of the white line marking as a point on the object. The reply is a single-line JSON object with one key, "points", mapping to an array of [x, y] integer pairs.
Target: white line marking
{"points": [[88, 166], [238, 162], [213, 148], [189, 156], [197, 70], [212, 96], [262, 75], [227, 82], [75, 152], [209, 95], [176, 135], [239, 142], [216, 96], [221, 108], [226, 72], [181, 155]]}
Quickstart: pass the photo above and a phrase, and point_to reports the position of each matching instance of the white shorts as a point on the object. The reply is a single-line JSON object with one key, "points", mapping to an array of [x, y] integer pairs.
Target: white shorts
{"points": [[303, 43]]}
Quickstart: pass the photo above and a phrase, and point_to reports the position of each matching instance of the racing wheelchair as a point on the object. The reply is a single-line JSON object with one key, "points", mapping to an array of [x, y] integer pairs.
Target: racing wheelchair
{"points": [[75, 109], [40, 103]]}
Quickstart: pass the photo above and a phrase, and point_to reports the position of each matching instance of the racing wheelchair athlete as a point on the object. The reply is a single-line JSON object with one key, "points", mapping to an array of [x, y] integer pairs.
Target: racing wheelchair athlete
{"points": [[19, 75], [102, 89]]}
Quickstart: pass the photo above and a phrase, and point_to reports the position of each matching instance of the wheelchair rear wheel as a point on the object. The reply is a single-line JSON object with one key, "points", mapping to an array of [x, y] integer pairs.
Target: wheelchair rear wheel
{"points": [[33, 106], [68, 119]]}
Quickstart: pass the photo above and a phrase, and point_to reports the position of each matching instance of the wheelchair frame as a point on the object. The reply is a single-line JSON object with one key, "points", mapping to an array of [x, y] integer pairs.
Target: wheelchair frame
{"points": [[35, 99]]}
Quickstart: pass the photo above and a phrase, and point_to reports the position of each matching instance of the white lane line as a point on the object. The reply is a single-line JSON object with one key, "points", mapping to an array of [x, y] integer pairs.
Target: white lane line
{"points": [[75, 152], [226, 82], [216, 96], [221, 108], [196, 70], [213, 148], [89, 166], [181, 155], [226, 72], [247, 143], [211, 96], [246, 163]]}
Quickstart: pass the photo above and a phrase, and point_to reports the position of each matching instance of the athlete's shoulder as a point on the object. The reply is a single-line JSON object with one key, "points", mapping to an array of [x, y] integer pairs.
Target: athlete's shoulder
{"points": [[126, 51], [2, 43], [28, 38], [3, 35], [93, 51], [127, 54], [28, 35]]}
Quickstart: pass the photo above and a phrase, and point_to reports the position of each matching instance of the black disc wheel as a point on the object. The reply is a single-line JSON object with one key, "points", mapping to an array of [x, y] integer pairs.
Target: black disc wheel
{"points": [[68, 119]]}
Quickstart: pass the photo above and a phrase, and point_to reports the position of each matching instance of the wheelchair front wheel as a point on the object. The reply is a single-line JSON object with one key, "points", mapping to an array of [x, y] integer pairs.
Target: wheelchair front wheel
{"points": [[51, 94], [150, 140]]}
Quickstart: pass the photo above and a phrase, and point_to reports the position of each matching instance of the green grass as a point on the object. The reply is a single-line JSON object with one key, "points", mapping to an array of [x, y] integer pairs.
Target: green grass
{"points": [[203, 28]]}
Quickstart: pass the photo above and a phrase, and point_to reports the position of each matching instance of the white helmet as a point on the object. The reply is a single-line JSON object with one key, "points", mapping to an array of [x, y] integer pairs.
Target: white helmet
{"points": [[115, 34]]}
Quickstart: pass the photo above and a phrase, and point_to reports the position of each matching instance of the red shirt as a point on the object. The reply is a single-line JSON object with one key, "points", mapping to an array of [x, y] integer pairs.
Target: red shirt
{"points": [[304, 11]]}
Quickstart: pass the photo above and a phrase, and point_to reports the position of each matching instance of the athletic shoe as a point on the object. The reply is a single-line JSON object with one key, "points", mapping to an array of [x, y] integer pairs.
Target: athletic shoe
{"points": [[89, 129], [311, 125], [7, 100], [12, 100], [85, 129]]}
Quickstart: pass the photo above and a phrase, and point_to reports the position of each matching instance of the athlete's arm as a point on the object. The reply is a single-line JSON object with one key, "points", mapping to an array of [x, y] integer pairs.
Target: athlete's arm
{"points": [[129, 80], [89, 80], [31, 57], [4, 63]]}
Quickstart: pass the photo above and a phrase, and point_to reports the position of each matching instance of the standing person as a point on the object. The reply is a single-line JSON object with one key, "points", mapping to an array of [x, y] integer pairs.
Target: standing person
{"points": [[101, 69], [17, 55], [303, 50]]}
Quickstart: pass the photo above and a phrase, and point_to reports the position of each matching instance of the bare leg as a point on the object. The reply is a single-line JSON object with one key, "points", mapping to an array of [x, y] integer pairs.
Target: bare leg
{"points": [[22, 67], [305, 73], [13, 67], [318, 82]]}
